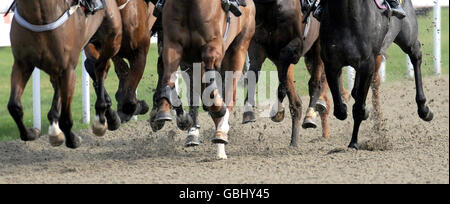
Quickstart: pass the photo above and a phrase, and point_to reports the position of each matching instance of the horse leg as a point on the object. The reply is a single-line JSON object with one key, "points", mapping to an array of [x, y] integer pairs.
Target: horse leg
{"points": [[19, 78], [257, 57], [122, 71], [376, 103], [333, 73], [289, 56], [92, 63], [192, 138], [314, 65], [359, 93], [414, 53], [157, 125], [67, 84], [295, 105], [325, 115], [167, 95], [56, 136], [233, 64]]}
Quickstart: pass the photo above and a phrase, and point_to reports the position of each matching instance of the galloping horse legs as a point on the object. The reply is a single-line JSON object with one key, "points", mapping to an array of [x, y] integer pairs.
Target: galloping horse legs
{"points": [[289, 56], [67, 85], [56, 136], [166, 95], [19, 77], [128, 105], [97, 71], [257, 57], [376, 103], [414, 53], [359, 93], [317, 102], [333, 73]]}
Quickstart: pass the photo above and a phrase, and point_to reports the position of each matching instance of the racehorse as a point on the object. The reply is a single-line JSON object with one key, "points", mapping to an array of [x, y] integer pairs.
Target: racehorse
{"points": [[50, 35], [202, 31], [356, 33], [137, 20], [282, 37]]}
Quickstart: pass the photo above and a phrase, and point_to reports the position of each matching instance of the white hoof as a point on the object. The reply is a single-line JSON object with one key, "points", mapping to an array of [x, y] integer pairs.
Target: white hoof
{"points": [[98, 128]]}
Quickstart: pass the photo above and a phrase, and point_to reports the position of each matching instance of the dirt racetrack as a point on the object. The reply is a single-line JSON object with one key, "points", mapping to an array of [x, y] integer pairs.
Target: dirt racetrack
{"points": [[406, 150]]}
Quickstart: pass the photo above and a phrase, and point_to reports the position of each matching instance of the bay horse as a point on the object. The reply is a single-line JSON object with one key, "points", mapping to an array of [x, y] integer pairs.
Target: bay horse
{"points": [[197, 31], [357, 33], [282, 37], [137, 20], [39, 39]]}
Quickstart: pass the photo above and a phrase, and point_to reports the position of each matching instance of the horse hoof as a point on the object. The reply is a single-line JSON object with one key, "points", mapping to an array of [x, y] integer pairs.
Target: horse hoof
{"points": [[321, 106], [341, 113], [56, 140], [249, 117], [32, 134], [73, 141], [220, 138], [353, 146], [113, 120], [155, 125], [143, 108], [279, 117], [185, 122], [192, 141], [98, 128], [428, 116], [124, 118], [163, 116], [309, 123]]}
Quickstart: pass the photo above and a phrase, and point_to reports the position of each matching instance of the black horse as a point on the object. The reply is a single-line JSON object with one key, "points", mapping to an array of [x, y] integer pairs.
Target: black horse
{"points": [[356, 32]]}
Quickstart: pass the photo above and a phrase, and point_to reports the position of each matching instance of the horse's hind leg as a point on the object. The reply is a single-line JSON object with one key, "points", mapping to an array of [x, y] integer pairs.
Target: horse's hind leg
{"points": [[19, 78], [359, 93], [194, 93], [376, 103], [425, 113], [67, 85], [314, 65], [257, 56], [91, 64]]}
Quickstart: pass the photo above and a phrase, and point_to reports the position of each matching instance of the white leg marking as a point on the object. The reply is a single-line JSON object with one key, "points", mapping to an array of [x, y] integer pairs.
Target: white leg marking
{"points": [[194, 132], [276, 108], [224, 126], [53, 129], [221, 152]]}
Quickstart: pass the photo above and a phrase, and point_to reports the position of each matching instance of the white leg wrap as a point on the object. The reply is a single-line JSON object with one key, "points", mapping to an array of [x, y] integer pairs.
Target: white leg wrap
{"points": [[221, 154], [224, 126]]}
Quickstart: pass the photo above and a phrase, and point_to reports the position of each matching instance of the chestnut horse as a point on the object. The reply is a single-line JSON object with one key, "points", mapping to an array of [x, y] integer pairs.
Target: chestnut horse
{"points": [[39, 39], [137, 20], [282, 37], [356, 33], [197, 31]]}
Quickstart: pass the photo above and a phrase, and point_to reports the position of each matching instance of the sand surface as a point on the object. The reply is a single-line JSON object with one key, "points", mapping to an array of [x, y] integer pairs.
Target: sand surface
{"points": [[405, 150]]}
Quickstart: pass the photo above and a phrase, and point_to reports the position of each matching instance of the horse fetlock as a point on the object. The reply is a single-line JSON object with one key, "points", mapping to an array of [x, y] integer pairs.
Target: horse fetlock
{"points": [[340, 112], [113, 120], [142, 107]]}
